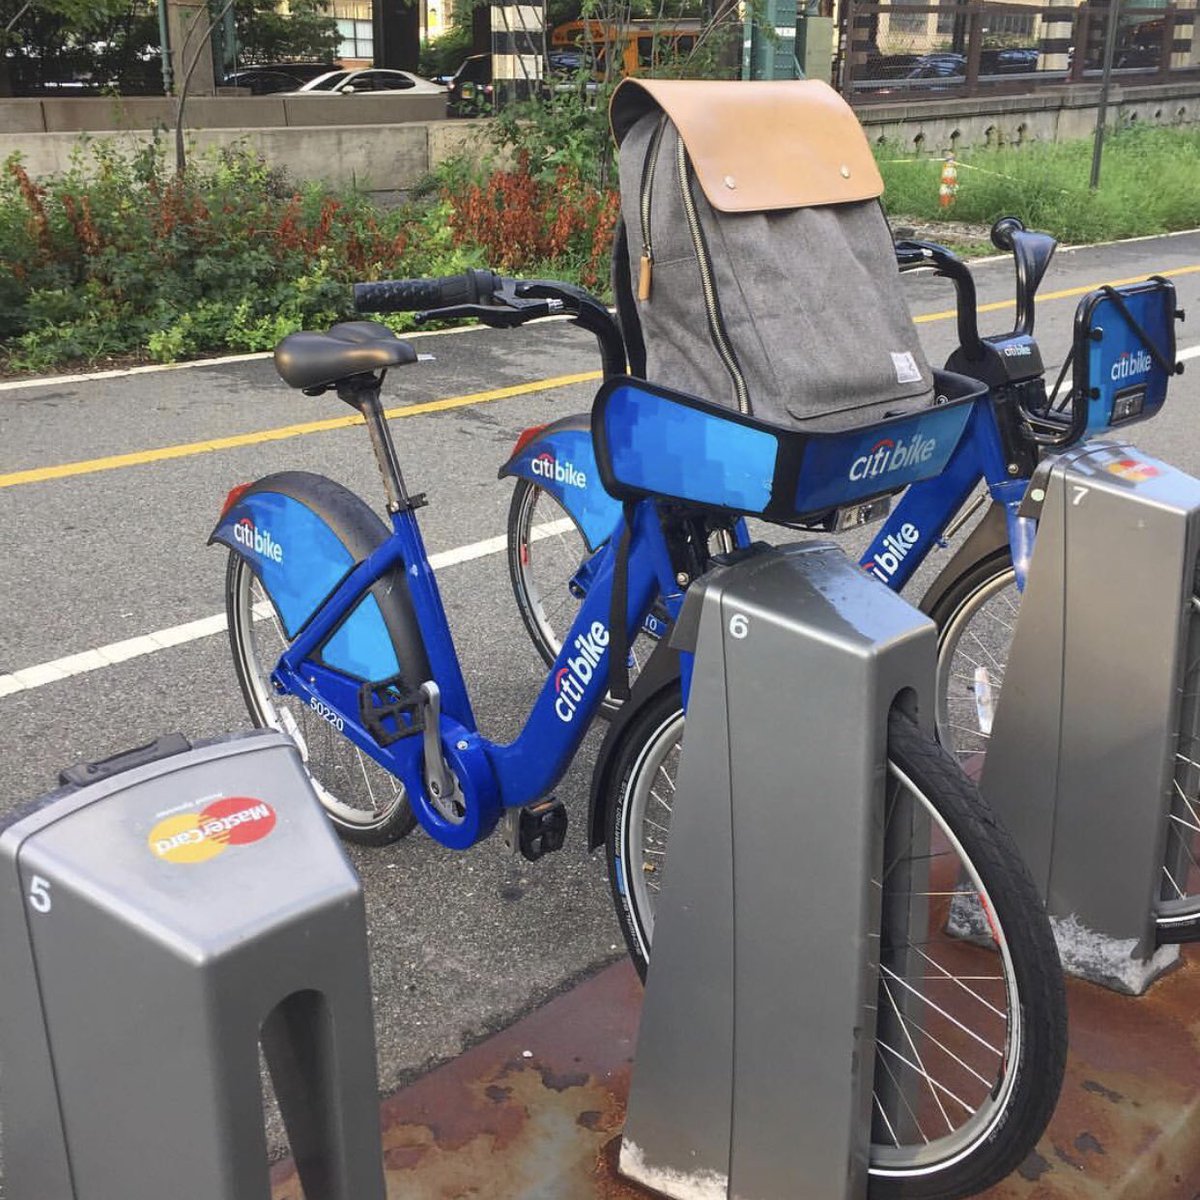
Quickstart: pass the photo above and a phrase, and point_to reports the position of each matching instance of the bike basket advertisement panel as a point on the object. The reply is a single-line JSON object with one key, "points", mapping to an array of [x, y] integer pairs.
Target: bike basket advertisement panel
{"points": [[864, 462], [662, 446]]}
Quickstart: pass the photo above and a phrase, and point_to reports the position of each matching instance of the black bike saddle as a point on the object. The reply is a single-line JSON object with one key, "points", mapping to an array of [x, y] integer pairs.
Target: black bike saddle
{"points": [[310, 360]]}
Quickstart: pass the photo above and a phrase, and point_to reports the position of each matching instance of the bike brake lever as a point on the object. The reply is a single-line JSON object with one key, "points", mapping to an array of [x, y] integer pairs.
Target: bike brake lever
{"points": [[495, 316]]}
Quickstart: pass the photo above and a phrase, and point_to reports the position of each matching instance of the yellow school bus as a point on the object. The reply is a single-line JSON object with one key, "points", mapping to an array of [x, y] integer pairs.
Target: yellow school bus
{"points": [[635, 46]]}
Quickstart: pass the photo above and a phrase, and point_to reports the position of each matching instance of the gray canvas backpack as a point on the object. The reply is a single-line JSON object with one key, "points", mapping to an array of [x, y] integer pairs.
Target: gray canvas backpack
{"points": [[761, 268]]}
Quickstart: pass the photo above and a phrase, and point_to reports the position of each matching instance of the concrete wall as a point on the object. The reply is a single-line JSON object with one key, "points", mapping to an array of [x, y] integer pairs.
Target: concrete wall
{"points": [[370, 157], [392, 157], [937, 126], [100, 114]]}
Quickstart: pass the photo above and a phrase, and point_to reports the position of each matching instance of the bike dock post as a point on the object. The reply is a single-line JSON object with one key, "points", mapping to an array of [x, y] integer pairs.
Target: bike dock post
{"points": [[157, 926], [753, 1073], [1092, 732]]}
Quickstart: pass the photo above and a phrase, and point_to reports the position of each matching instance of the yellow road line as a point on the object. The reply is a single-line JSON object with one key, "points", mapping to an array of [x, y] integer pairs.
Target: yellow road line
{"points": [[283, 432], [1066, 293], [187, 449]]}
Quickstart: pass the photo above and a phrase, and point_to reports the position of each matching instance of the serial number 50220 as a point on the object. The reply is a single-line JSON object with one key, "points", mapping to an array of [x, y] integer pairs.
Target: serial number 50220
{"points": [[326, 713]]}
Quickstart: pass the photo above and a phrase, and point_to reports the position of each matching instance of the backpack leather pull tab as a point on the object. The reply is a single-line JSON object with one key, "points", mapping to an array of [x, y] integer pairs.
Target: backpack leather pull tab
{"points": [[645, 271]]}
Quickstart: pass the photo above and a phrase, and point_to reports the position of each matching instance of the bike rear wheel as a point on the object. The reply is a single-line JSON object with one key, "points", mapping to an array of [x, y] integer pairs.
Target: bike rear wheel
{"points": [[970, 1053], [976, 621], [366, 803]]}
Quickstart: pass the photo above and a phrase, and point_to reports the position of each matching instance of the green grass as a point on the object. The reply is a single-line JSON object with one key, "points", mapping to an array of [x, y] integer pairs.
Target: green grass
{"points": [[1149, 183]]}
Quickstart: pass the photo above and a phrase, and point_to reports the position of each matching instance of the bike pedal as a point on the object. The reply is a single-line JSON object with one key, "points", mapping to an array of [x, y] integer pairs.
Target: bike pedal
{"points": [[391, 700], [541, 828]]}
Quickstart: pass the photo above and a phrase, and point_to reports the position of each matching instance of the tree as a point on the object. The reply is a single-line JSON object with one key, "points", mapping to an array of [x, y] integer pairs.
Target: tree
{"points": [[305, 31], [103, 41]]}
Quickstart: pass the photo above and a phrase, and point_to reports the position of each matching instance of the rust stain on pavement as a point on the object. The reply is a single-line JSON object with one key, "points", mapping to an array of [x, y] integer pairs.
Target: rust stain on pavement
{"points": [[535, 1112]]}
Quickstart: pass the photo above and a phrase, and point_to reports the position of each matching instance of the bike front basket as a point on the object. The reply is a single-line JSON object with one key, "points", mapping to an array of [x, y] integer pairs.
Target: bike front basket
{"points": [[1124, 353], [653, 442]]}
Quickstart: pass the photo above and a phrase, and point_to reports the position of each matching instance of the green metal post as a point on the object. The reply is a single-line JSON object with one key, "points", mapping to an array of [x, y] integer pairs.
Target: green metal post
{"points": [[164, 46]]}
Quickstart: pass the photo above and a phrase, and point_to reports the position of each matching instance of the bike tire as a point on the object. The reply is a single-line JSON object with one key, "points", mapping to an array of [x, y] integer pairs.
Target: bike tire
{"points": [[527, 498], [336, 767], [1177, 917], [1035, 1013]]}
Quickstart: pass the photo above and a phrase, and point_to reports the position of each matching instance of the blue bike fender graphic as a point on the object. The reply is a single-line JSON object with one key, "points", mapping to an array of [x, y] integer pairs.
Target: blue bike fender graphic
{"points": [[562, 460], [299, 560]]}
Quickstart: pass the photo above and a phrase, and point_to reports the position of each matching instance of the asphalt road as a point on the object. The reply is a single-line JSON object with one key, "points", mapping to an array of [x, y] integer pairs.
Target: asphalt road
{"points": [[462, 942]]}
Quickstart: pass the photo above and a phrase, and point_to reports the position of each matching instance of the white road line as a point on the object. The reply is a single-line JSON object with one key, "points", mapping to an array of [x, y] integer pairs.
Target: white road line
{"points": [[10, 385], [177, 635], [58, 669]]}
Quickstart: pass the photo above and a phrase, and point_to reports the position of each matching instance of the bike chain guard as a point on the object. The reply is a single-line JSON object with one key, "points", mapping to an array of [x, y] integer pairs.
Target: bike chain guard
{"points": [[453, 793]]}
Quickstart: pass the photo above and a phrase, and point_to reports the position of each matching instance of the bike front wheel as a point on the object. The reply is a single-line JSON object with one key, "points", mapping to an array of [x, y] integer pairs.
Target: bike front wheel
{"points": [[976, 620], [366, 803], [971, 1041], [548, 560]]}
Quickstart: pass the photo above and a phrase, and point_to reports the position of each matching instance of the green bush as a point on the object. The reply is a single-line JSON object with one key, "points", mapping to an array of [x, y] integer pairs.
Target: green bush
{"points": [[1148, 185], [127, 257], [121, 257]]}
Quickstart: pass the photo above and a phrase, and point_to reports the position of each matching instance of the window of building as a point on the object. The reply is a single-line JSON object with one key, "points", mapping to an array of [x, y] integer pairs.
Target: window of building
{"points": [[358, 39]]}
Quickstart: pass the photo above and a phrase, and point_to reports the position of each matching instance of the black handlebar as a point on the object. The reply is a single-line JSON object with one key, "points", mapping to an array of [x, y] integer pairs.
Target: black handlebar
{"points": [[412, 295], [911, 255], [498, 301]]}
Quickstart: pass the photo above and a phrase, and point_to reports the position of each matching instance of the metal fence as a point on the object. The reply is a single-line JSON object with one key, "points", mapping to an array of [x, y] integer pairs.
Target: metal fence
{"points": [[892, 50]]}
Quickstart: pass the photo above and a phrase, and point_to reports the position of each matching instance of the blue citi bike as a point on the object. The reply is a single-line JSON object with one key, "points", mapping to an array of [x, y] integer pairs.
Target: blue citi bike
{"points": [[1123, 354], [340, 640]]}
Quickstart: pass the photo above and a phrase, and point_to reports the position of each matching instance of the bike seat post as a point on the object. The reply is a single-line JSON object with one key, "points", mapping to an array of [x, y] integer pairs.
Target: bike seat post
{"points": [[363, 394]]}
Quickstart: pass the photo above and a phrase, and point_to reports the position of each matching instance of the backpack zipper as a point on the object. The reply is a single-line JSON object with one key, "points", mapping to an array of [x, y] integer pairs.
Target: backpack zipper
{"points": [[646, 265], [716, 326]]}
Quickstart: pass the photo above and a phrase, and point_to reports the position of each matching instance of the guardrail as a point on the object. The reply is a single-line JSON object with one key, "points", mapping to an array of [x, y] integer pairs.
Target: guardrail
{"points": [[898, 51]]}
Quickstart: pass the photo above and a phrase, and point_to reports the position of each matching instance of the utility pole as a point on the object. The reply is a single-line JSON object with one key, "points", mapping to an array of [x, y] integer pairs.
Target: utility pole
{"points": [[1110, 50]]}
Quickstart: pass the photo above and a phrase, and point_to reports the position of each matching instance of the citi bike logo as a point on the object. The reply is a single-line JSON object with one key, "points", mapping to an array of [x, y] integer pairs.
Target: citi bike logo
{"points": [[572, 680], [547, 466], [888, 455], [895, 550], [258, 540], [1131, 364]]}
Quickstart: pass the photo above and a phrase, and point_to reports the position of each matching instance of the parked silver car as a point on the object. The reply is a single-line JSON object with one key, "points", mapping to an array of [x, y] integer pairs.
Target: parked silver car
{"points": [[369, 81]]}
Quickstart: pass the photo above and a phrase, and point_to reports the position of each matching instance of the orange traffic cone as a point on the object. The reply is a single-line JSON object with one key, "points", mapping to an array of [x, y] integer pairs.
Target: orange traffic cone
{"points": [[948, 188]]}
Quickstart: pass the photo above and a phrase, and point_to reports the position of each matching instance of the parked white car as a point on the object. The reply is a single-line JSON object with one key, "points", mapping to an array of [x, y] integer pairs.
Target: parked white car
{"points": [[369, 81]]}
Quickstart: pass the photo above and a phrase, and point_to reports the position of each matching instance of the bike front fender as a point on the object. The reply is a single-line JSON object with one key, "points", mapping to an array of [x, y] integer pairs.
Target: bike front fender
{"points": [[560, 459]]}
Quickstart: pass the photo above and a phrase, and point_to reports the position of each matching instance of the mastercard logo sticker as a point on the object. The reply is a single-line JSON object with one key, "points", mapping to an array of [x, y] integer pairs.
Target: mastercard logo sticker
{"points": [[1130, 468], [193, 837]]}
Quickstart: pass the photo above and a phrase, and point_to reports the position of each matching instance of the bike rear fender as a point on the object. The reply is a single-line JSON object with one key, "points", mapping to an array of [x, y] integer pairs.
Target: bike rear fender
{"points": [[990, 535], [301, 534], [560, 458]]}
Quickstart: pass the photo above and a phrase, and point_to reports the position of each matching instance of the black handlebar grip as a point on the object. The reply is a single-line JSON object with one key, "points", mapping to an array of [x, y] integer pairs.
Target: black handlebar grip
{"points": [[411, 295], [1003, 230]]}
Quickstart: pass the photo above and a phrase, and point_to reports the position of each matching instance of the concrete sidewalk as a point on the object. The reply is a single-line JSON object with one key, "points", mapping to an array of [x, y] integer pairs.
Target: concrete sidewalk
{"points": [[535, 1112]]}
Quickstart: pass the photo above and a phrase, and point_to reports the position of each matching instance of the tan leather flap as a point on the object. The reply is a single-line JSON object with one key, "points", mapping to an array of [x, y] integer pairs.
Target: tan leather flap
{"points": [[760, 145]]}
